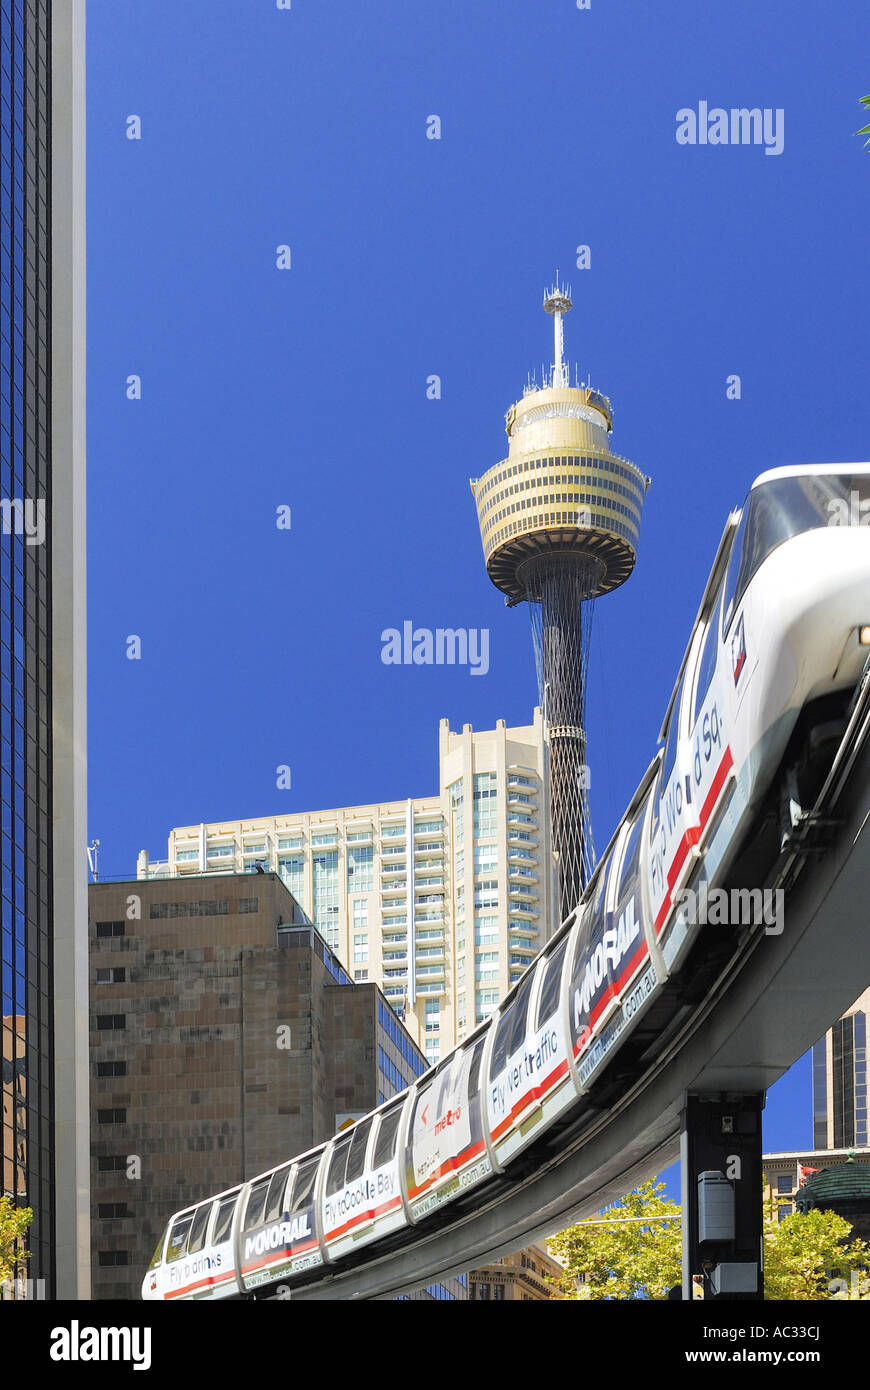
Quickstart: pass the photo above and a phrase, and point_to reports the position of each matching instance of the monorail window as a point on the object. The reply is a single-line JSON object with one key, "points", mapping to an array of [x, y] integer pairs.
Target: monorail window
{"points": [[709, 656], [356, 1159], [511, 1028], [337, 1167], [257, 1204], [197, 1230], [673, 736], [783, 508], [275, 1199], [631, 855], [474, 1069], [178, 1237], [157, 1257], [224, 1219], [593, 912], [385, 1145], [552, 979], [303, 1187]]}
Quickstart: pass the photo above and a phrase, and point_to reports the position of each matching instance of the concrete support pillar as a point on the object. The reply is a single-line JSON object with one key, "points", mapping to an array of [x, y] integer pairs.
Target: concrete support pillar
{"points": [[720, 1153]]}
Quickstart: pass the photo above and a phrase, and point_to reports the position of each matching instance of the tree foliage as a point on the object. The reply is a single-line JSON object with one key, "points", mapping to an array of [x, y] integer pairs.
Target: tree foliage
{"points": [[634, 1259], [804, 1253], [641, 1259], [865, 130], [13, 1225]]}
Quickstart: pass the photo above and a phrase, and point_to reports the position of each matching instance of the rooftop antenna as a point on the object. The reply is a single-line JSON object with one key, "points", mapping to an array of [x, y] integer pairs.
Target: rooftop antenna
{"points": [[93, 856], [557, 301]]}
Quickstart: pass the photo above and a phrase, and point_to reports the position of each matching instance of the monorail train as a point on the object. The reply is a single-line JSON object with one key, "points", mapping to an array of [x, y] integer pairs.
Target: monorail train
{"points": [[778, 647]]}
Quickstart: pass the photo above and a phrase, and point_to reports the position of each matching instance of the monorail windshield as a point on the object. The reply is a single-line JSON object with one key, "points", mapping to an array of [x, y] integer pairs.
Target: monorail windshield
{"points": [[778, 510]]}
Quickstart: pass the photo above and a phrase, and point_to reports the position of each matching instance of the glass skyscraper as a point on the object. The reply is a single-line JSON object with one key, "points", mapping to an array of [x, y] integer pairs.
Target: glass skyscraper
{"points": [[43, 908], [840, 1081]]}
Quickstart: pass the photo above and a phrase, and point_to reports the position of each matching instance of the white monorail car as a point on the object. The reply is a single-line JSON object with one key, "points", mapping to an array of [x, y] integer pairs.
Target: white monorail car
{"points": [[778, 647]]}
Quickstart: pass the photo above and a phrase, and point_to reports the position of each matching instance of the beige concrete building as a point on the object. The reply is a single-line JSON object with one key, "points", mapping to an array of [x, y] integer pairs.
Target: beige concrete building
{"points": [[519, 1278], [441, 900]]}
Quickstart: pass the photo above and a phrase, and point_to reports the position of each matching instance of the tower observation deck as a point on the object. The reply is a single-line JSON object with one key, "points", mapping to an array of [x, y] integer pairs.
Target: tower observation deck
{"points": [[559, 521]]}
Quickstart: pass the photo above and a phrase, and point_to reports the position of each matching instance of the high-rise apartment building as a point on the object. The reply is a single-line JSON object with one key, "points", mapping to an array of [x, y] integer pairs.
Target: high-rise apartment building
{"points": [[43, 893], [840, 1081], [441, 900]]}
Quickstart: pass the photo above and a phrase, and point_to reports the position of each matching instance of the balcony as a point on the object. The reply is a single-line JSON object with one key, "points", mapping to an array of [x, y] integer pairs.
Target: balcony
{"points": [[429, 953], [401, 920], [428, 851], [398, 885], [522, 949], [391, 870], [429, 972]]}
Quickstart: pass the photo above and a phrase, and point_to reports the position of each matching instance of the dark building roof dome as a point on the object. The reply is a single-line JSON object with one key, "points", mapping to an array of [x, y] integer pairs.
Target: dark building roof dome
{"points": [[843, 1184]]}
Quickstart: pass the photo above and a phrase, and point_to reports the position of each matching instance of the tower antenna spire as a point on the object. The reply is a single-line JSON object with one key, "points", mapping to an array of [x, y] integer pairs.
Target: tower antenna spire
{"points": [[557, 301]]}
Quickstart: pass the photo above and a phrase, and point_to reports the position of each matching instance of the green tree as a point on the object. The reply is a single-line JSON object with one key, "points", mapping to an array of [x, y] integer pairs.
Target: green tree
{"points": [[635, 1258], [13, 1224], [803, 1253], [865, 130], [609, 1257]]}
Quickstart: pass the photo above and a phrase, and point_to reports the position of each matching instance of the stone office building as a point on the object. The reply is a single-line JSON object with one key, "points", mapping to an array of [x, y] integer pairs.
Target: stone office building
{"points": [[225, 1038]]}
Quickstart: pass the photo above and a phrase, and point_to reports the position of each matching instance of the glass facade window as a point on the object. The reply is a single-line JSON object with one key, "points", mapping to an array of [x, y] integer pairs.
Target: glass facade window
{"points": [[360, 871], [457, 797], [26, 1144], [860, 1042], [820, 1096], [327, 895], [485, 858], [486, 893], [292, 871], [485, 793], [486, 1002], [843, 1081]]}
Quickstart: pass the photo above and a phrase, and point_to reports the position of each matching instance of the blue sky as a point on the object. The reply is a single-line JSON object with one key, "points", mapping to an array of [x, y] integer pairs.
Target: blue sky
{"points": [[306, 388]]}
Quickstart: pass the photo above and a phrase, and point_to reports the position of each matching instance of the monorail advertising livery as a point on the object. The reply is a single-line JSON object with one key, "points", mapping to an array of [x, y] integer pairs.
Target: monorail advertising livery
{"points": [[778, 648]]}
